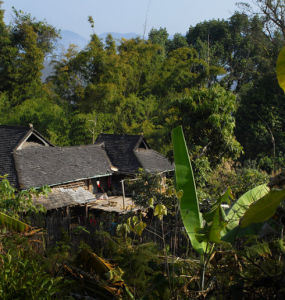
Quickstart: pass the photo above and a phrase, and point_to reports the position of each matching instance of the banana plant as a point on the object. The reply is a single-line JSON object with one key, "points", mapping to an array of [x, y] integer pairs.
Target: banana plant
{"points": [[244, 217], [202, 238]]}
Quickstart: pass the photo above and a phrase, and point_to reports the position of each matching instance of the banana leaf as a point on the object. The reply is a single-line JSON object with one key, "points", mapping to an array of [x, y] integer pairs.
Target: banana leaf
{"points": [[264, 208], [239, 208], [237, 211], [189, 207], [280, 68], [215, 220], [12, 223]]}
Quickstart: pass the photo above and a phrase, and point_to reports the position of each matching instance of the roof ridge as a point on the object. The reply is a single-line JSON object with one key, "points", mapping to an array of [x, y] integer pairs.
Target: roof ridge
{"points": [[15, 126], [121, 134], [64, 147]]}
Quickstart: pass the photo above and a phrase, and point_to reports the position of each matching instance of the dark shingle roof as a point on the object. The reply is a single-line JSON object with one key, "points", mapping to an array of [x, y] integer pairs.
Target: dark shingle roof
{"points": [[126, 154], [120, 150], [55, 165], [10, 137], [152, 161]]}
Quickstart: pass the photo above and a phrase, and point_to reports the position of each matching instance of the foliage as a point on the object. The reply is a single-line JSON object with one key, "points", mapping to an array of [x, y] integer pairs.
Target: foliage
{"points": [[237, 44], [272, 11], [24, 45], [280, 69], [24, 278], [10, 223], [264, 208], [189, 207], [207, 118], [140, 262], [240, 207], [134, 224], [228, 174], [218, 226], [110, 278], [151, 189], [25, 274], [16, 203], [216, 220]]}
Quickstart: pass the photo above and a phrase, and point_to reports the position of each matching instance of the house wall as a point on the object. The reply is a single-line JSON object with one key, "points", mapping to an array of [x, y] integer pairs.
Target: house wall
{"points": [[88, 184], [75, 185]]}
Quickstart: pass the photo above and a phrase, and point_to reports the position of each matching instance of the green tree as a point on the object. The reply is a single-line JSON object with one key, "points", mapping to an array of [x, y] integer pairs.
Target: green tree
{"points": [[181, 69], [273, 12], [207, 116], [159, 37], [239, 45], [178, 41], [24, 45]]}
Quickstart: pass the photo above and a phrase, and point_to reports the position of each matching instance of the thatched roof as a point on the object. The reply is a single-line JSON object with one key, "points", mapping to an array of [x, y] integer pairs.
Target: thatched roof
{"points": [[130, 152], [55, 165]]}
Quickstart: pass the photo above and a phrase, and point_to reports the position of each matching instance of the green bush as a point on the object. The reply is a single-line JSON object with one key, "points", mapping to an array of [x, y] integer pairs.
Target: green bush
{"points": [[24, 277]]}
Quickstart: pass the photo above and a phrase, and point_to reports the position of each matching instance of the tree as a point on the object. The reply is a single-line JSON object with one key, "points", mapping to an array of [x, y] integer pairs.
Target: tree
{"points": [[207, 116], [183, 69], [178, 41], [239, 45], [260, 121], [23, 48], [273, 12], [159, 37]]}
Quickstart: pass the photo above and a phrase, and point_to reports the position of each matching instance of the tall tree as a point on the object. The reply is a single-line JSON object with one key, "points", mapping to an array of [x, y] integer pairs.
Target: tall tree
{"points": [[239, 45], [207, 117], [24, 45], [273, 12]]}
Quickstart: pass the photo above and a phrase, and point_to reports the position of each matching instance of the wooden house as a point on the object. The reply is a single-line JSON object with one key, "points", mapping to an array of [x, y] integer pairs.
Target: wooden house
{"points": [[129, 153], [77, 174], [86, 181]]}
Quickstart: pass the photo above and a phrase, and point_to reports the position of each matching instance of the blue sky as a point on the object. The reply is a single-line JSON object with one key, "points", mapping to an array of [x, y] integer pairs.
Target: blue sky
{"points": [[123, 15]]}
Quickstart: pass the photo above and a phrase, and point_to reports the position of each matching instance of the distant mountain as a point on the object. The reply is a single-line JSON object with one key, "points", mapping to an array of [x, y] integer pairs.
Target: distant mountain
{"points": [[69, 37]]}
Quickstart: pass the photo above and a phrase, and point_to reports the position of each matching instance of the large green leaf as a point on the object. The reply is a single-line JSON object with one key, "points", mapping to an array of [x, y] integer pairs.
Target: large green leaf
{"points": [[239, 208], [237, 211], [280, 68], [12, 223], [189, 206], [264, 208]]}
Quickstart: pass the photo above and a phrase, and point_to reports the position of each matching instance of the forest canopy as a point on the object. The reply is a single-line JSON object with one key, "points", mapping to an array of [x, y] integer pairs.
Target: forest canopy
{"points": [[218, 81]]}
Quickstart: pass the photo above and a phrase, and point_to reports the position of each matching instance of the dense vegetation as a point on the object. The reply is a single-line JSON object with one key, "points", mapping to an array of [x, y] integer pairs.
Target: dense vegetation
{"points": [[218, 82]]}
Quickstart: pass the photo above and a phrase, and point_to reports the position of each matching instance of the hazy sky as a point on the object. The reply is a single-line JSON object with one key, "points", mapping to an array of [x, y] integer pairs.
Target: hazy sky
{"points": [[123, 15]]}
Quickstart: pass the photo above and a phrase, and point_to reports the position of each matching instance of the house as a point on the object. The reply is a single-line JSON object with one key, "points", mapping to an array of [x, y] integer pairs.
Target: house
{"points": [[77, 174], [86, 181], [129, 153]]}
